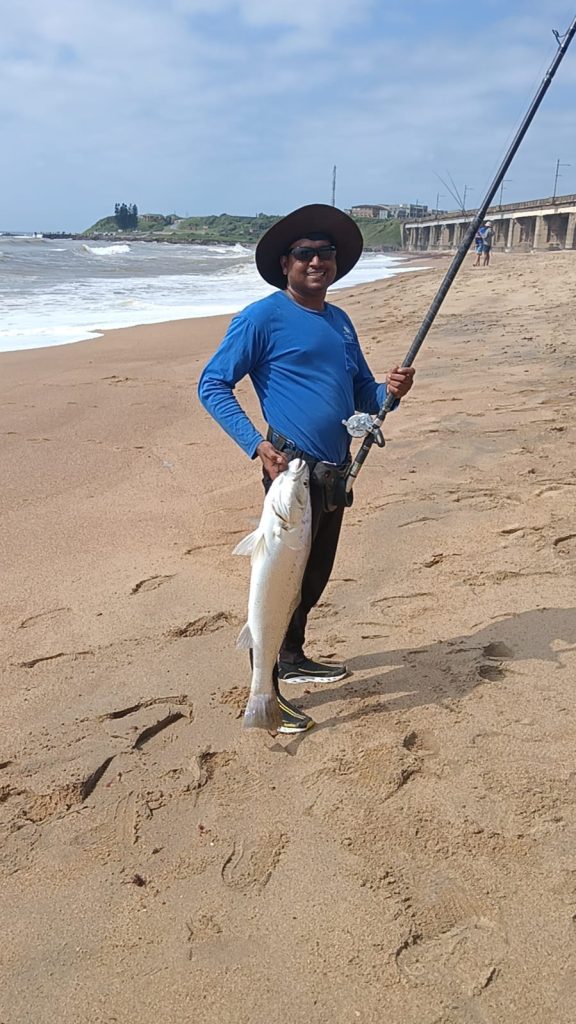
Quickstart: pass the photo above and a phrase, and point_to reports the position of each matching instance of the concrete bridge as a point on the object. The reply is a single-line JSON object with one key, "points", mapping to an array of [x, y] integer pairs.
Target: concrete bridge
{"points": [[517, 227]]}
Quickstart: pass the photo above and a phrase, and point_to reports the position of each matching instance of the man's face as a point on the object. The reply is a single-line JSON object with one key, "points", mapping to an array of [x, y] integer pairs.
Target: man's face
{"points": [[310, 277]]}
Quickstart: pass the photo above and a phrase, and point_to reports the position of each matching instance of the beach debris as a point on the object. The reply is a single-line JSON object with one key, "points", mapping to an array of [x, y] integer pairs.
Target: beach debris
{"points": [[279, 549]]}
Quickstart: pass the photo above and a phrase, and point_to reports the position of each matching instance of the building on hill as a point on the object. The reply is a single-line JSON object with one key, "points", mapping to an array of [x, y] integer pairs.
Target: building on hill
{"points": [[372, 212], [390, 211]]}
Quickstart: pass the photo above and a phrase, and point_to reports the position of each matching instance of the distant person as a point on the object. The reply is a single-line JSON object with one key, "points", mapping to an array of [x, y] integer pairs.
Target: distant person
{"points": [[487, 242]]}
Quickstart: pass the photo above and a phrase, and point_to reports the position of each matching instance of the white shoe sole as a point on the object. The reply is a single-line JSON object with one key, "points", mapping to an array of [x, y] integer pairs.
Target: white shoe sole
{"points": [[298, 680], [288, 731]]}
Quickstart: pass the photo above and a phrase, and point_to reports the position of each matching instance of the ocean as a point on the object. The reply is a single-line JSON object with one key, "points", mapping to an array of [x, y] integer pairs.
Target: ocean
{"points": [[56, 291]]}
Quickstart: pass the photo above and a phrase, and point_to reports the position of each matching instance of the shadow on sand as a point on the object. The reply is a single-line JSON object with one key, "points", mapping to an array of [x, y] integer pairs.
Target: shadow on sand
{"points": [[448, 669]]}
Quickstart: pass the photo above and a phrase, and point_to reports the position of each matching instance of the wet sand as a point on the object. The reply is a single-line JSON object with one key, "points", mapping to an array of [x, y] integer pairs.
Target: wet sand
{"points": [[413, 859]]}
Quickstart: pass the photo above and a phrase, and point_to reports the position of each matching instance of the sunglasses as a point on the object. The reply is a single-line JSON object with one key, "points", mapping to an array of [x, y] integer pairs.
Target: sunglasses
{"points": [[305, 253]]}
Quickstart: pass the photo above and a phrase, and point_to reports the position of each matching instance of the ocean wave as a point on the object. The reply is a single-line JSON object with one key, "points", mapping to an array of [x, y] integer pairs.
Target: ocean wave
{"points": [[214, 248], [59, 301], [221, 250], [107, 250]]}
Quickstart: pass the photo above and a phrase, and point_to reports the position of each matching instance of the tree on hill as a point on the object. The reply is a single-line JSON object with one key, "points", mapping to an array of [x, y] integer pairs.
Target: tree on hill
{"points": [[126, 216]]}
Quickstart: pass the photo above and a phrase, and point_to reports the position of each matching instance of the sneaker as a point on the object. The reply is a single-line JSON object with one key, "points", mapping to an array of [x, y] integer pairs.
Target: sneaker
{"points": [[307, 671], [293, 720]]}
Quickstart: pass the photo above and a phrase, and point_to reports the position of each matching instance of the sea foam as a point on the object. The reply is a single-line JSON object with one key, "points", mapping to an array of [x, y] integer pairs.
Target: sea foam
{"points": [[106, 250]]}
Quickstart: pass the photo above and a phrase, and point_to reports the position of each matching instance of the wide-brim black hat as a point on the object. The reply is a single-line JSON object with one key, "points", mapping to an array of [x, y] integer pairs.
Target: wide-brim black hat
{"points": [[314, 219]]}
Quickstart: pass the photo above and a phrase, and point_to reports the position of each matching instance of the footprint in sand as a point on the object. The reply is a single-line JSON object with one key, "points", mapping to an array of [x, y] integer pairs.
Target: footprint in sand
{"points": [[209, 762], [552, 490], [380, 772], [151, 583], [251, 863], [566, 545], [139, 723], [493, 670], [41, 807], [32, 620], [421, 742], [204, 929], [53, 657], [492, 673], [497, 649], [452, 944], [205, 624], [462, 962], [159, 726], [180, 698], [236, 698]]}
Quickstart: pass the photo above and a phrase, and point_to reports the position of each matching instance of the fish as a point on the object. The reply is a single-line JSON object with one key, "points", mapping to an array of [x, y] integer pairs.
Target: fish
{"points": [[279, 549]]}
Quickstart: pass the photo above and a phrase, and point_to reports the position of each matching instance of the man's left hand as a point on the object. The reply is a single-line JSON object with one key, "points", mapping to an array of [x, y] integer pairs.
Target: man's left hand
{"points": [[399, 380]]}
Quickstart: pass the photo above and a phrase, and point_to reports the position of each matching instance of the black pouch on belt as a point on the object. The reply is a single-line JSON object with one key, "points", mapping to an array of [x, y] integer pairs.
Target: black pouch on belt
{"points": [[332, 481]]}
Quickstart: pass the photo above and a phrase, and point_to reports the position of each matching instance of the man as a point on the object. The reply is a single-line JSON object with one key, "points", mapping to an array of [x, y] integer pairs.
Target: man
{"points": [[305, 362], [487, 242]]}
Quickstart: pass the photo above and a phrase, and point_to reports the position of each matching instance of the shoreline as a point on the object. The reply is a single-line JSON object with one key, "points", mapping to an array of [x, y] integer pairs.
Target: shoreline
{"points": [[98, 332], [148, 289]]}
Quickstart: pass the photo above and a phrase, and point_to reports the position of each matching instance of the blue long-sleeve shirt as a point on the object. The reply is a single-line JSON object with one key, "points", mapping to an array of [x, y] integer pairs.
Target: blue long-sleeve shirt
{"points": [[307, 369]]}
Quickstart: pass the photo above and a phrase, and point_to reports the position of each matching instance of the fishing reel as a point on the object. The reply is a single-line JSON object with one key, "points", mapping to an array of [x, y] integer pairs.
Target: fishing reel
{"points": [[360, 424], [336, 492]]}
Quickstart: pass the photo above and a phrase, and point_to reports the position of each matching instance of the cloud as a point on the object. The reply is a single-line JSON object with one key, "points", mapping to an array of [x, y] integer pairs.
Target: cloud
{"points": [[245, 105], [328, 15]]}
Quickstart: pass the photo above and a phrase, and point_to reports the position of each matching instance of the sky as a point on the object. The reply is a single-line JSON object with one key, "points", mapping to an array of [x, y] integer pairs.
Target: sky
{"points": [[244, 106]]}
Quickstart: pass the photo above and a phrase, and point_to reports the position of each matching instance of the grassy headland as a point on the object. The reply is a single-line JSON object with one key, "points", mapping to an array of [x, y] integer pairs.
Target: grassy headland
{"points": [[226, 228]]}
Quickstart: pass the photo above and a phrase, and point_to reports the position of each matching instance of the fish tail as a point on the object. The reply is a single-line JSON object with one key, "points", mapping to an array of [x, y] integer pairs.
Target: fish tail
{"points": [[262, 712]]}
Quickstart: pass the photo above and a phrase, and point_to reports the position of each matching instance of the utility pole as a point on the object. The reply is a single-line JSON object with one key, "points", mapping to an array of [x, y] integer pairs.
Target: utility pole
{"points": [[334, 185], [505, 181], [467, 188], [558, 175], [439, 196]]}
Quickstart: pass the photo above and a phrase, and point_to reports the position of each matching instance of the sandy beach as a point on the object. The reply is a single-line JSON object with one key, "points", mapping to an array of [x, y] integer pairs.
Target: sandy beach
{"points": [[411, 860]]}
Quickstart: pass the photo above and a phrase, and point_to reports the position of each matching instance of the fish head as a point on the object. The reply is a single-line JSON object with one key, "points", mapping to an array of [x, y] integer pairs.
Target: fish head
{"points": [[291, 494]]}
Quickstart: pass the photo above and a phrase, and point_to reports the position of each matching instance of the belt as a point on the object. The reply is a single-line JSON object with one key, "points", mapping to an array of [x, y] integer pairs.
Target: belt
{"points": [[284, 444]]}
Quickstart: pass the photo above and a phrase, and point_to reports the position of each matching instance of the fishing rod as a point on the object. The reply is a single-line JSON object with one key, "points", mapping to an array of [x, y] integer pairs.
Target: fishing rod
{"points": [[361, 424]]}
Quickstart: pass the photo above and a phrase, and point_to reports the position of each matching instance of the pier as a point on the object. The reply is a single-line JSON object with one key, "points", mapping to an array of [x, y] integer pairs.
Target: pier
{"points": [[517, 227]]}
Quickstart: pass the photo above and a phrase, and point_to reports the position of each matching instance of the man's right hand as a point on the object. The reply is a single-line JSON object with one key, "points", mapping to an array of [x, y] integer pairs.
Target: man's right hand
{"points": [[273, 461]]}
